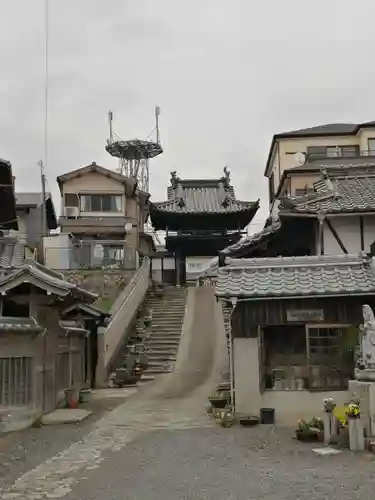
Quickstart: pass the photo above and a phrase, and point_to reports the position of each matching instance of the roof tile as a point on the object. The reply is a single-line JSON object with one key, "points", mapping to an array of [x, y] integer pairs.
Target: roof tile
{"points": [[296, 276], [337, 195]]}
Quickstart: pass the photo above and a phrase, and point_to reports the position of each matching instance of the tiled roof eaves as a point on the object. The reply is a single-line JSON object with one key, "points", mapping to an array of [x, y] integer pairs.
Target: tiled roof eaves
{"points": [[292, 277], [234, 206], [254, 239]]}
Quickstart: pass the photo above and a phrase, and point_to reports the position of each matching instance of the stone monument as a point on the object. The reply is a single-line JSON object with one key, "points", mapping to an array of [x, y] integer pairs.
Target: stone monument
{"points": [[365, 369], [364, 384]]}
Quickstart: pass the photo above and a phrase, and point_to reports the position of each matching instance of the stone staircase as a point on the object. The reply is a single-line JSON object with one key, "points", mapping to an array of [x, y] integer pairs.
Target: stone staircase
{"points": [[168, 312]]}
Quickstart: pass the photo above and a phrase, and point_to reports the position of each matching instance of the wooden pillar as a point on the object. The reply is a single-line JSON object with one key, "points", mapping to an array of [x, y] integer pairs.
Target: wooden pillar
{"points": [[178, 268]]}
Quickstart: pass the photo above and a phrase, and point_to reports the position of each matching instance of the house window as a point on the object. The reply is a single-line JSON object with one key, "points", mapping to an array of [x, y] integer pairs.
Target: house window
{"points": [[101, 203], [107, 255], [313, 357], [371, 145], [15, 309], [316, 152], [71, 200]]}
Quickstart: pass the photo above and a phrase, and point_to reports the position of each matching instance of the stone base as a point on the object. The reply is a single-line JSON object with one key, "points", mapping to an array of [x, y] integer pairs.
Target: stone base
{"points": [[356, 435], [14, 419], [366, 375], [366, 393], [65, 417]]}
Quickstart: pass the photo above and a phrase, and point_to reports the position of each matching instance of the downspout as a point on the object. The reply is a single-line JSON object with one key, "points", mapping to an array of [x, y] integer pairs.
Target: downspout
{"points": [[44, 370], [321, 217], [231, 358]]}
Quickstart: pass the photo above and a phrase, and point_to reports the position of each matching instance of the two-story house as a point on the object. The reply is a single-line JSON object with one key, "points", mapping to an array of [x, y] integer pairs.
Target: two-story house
{"points": [[321, 193], [103, 216], [296, 157], [32, 224]]}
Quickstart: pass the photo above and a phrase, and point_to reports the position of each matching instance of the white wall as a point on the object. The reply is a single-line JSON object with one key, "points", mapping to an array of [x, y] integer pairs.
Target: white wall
{"points": [[57, 251], [290, 406], [195, 265], [348, 230]]}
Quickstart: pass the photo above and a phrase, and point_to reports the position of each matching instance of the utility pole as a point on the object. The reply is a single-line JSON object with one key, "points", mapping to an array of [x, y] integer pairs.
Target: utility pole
{"points": [[43, 221]]}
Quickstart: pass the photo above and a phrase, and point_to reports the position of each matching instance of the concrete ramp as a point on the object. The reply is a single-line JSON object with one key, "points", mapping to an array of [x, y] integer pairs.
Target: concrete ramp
{"points": [[202, 354]]}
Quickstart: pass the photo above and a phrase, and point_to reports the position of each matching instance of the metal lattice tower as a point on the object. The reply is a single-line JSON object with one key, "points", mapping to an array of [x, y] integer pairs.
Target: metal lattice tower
{"points": [[134, 155]]}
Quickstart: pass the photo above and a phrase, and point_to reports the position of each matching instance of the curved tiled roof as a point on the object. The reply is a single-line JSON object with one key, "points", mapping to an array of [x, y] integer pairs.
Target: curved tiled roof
{"points": [[287, 277], [202, 196], [337, 195], [248, 241]]}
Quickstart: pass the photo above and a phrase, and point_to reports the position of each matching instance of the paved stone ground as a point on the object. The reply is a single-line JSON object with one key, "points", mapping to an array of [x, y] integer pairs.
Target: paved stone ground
{"points": [[161, 445], [24, 450]]}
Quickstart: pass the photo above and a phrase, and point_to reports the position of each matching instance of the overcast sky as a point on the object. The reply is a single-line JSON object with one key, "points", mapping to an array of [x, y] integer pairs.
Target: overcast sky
{"points": [[226, 74]]}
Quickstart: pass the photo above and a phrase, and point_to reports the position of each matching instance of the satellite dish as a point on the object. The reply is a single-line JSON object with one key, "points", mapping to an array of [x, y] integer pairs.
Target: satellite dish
{"points": [[128, 227], [299, 159]]}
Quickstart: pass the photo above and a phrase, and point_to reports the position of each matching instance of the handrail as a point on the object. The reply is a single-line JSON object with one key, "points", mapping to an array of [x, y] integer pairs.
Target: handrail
{"points": [[131, 298], [127, 290]]}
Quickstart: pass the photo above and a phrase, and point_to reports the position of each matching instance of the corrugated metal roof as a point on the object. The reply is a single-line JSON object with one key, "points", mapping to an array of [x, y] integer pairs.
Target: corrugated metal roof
{"points": [[287, 277], [337, 195], [248, 241], [30, 199]]}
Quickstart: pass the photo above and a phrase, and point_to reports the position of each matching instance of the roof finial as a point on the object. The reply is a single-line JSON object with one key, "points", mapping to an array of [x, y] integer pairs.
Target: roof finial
{"points": [[174, 179], [226, 178], [227, 173]]}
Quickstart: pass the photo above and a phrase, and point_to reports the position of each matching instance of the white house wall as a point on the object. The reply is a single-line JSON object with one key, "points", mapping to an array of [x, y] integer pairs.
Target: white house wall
{"points": [[348, 230]]}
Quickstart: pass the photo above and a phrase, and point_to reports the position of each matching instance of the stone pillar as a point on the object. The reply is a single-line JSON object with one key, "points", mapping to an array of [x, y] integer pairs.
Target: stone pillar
{"points": [[101, 375], [356, 434], [330, 428]]}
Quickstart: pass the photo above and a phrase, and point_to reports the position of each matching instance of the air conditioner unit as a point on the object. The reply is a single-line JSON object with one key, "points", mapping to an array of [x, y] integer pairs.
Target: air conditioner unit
{"points": [[71, 212]]}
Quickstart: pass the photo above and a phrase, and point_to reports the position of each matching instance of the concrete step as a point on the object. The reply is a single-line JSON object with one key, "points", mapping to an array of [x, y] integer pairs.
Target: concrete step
{"points": [[160, 371], [166, 331], [159, 359], [157, 342], [163, 350], [165, 336]]}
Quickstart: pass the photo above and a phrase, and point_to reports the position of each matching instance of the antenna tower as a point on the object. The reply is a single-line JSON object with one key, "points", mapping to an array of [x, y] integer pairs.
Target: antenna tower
{"points": [[134, 155]]}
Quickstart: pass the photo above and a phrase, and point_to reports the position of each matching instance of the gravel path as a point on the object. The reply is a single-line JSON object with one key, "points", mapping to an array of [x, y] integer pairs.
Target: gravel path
{"points": [[224, 464]]}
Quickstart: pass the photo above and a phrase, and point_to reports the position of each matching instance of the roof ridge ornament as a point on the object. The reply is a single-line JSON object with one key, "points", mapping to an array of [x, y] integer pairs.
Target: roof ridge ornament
{"points": [[175, 180], [226, 178]]}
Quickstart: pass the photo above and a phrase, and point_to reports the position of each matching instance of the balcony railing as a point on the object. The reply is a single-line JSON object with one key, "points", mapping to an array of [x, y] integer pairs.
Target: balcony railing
{"points": [[338, 155], [86, 257]]}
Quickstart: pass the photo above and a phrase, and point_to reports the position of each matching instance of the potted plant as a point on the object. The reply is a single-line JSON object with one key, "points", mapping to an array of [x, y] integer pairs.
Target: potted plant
{"points": [[218, 402], [225, 417], [85, 394], [305, 432], [249, 420]]}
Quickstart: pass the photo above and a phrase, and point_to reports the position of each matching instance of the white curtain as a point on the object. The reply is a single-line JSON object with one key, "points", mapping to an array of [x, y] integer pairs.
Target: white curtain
{"points": [[118, 201]]}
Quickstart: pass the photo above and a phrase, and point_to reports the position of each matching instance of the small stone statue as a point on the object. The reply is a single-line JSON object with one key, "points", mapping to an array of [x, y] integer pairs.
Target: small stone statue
{"points": [[365, 369], [174, 179]]}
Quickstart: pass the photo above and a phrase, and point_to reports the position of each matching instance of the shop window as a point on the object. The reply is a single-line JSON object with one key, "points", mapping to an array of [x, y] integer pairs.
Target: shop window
{"points": [[330, 358], [315, 357]]}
